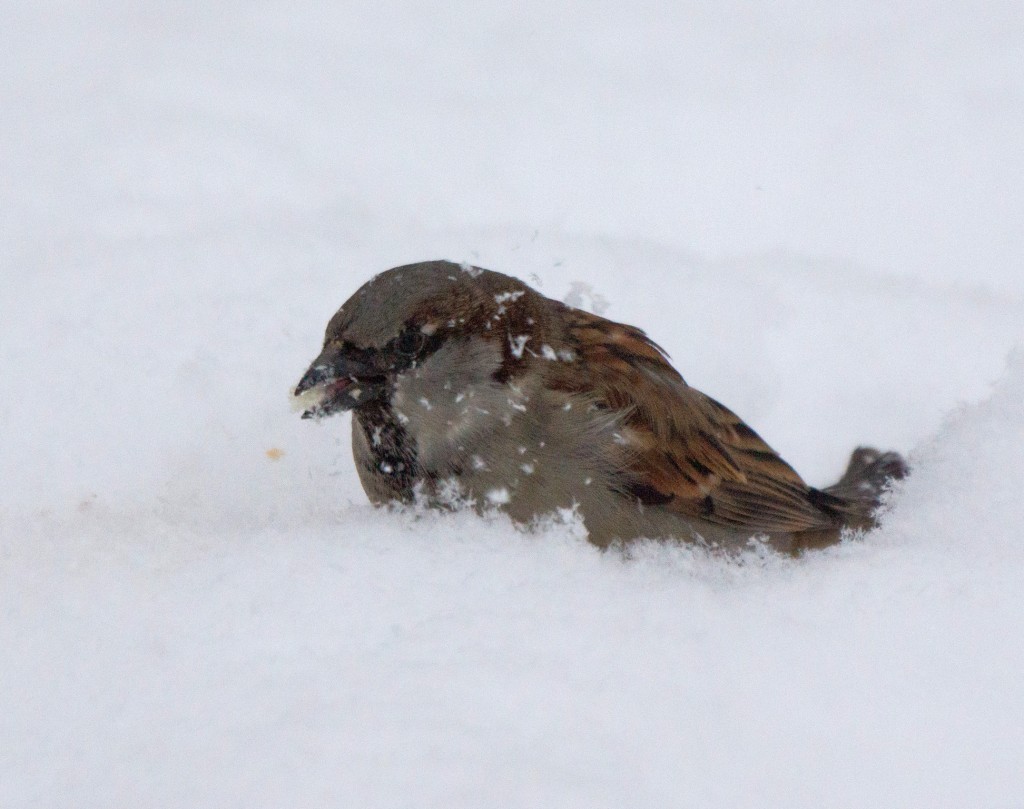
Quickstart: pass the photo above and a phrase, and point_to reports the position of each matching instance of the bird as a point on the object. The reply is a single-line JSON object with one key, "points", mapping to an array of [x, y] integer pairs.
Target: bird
{"points": [[467, 386]]}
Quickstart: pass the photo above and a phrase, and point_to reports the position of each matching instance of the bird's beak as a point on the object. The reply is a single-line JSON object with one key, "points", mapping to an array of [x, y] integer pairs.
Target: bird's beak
{"points": [[334, 382], [319, 373]]}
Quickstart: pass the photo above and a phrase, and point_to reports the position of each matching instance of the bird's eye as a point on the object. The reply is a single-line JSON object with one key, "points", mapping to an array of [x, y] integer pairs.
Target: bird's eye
{"points": [[410, 342]]}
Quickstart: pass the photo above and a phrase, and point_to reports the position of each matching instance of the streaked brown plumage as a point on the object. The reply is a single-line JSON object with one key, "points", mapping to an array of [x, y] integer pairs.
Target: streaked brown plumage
{"points": [[461, 379]]}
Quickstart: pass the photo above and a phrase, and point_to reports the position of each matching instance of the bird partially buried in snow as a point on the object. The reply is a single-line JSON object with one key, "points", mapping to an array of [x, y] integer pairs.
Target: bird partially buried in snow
{"points": [[467, 382]]}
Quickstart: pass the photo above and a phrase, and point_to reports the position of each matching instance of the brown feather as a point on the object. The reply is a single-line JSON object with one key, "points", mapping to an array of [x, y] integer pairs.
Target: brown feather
{"points": [[686, 452]]}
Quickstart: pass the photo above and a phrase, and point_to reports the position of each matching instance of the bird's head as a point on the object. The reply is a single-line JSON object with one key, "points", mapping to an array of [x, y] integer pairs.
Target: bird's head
{"points": [[396, 321]]}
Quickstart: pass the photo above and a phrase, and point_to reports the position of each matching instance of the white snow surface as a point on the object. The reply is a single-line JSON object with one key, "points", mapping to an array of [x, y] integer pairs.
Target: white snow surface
{"points": [[815, 208]]}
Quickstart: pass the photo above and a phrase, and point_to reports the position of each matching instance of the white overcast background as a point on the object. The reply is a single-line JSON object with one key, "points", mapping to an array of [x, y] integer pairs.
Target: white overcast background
{"points": [[816, 208]]}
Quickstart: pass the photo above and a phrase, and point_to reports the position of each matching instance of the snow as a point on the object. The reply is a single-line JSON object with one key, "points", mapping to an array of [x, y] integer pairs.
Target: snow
{"points": [[814, 208]]}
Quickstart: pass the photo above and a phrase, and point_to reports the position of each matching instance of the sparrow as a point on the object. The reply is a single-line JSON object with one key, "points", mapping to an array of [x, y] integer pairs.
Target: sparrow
{"points": [[466, 385]]}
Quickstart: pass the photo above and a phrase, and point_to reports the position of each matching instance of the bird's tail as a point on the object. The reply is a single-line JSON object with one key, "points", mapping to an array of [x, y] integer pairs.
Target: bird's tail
{"points": [[863, 483], [854, 499]]}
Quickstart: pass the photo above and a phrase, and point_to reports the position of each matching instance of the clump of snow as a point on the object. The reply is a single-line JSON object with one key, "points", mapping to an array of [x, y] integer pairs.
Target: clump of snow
{"points": [[308, 399], [582, 295]]}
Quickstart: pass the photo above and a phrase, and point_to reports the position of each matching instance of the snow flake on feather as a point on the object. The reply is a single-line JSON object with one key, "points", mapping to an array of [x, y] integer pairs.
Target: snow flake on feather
{"points": [[507, 297], [518, 398], [499, 497], [518, 345], [563, 354], [448, 493]]}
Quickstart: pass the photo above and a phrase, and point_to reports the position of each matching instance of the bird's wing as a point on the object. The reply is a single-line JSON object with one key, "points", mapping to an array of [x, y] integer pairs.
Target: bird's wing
{"points": [[683, 451]]}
